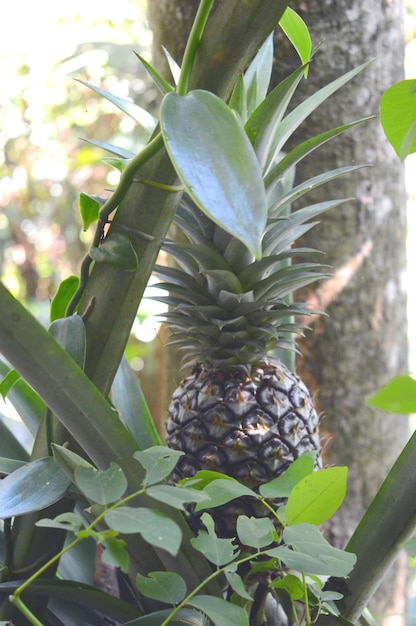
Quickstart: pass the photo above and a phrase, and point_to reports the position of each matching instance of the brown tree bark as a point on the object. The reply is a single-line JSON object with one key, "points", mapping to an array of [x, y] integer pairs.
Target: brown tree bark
{"points": [[361, 344]]}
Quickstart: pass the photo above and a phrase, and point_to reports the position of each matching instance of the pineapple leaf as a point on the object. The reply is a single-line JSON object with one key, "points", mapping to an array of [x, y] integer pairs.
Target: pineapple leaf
{"points": [[265, 120], [157, 78], [307, 147], [283, 201], [257, 78], [109, 147], [238, 100], [173, 66], [294, 119], [216, 163], [137, 113]]}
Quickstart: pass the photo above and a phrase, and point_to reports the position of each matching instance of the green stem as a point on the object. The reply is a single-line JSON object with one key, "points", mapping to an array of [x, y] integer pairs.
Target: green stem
{"points": [[75, 542], [305, 591], [192, 45], [19, 604]]}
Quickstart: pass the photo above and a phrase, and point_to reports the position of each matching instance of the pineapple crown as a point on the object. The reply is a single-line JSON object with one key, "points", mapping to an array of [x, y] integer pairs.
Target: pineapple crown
{"points": [[227, 307]]}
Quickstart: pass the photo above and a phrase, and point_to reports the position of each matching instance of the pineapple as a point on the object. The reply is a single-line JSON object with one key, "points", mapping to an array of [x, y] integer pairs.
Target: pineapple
{"points": [[240, 410]]}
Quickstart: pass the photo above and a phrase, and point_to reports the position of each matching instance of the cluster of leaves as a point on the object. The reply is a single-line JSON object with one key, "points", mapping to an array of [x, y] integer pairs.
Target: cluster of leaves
{"points": [[291, 549]]}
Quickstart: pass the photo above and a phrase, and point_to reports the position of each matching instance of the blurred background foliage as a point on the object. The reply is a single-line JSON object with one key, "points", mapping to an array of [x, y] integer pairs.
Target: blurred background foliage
{"points": [[45, 162]]}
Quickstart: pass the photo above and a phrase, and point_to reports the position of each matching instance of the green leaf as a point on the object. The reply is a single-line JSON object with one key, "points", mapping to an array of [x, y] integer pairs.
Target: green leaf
{"points": [[168, 587], [216, 549], [69, 332], [158, 461], [137, 113], [290, 583], [109, 147], [223, 490], [155, 527], [157, 78], [312, 554], [27, 403], [255, 532], [32, 487], [102, 487], [221, 612], [64, 521], [282, 486], [115, 553], [317, 496], [398, 117], [69, 461], [117, 251], [216, 162], [8, 381], [257, 77], [236, 583], [398, 396], [174, 496], [89, 209], [128, 398], [297, 32], [60, 301]]}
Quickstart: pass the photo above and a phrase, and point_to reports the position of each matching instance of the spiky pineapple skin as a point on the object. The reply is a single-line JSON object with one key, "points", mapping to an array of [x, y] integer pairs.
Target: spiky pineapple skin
{"points": [[249, 423]]}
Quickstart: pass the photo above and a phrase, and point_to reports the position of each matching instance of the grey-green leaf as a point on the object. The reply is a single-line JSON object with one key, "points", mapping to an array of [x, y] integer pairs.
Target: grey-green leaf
{"points": [[221, 612], [155, 527], [69, 332], [117, 251], [33, 487], [168, 587], [216, 162], [103, 487]]}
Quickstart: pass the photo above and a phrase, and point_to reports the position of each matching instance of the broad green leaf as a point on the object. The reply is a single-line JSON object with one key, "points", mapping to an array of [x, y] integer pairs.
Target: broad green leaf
{"points": [[216, 162], [64, 521], [69, 332], [282, 486], [398, 117], [89, 208], [221, 612], [8, 381], [216, 549], [128, 398], [102, 487], [297, 32], [60, 301], [155, 527], [168, 587], [312, 554], [137, 113], [158, 461], [69, 461], [317, 496], [174, 496], [221, 491], [115, 553], [255, 532], [236, 583], [32, 487], [290, 583], [117, 251], [398, 396]]}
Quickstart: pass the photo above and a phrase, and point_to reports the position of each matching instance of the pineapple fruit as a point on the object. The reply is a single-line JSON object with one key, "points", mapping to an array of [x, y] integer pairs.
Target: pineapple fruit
{"points": [[240, 410]]}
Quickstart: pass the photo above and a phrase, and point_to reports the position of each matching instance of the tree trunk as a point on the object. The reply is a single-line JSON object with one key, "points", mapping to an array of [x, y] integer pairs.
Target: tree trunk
{"points": [[362, 343]]}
